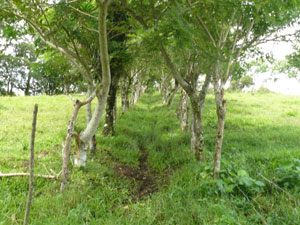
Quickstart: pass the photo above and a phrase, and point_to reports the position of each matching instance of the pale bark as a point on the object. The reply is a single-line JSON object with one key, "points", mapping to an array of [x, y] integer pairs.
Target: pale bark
{"points": [[102, 92], [221, 112], [115, 112], [125, 87], [172, 95], [26, 174], [183, 111], [165, 83], [142, 89], [31, 181], [136, 88], [67, 147], [92, 142], [197, 137]]}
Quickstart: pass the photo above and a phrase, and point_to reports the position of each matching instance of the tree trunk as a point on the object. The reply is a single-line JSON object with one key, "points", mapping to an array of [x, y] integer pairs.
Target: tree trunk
{"points": [[183, 111], [135, 89], [110, 106], [115, 111], [102, 93], [143, 88], [172, 95], [197, 138], [67, 146], [93, 142], [27, 88], [125, 87], [165, 83], [221, 112]]}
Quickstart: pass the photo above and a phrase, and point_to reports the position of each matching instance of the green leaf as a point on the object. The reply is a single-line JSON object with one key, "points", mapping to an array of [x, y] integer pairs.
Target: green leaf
{"points": [[242, 173]]}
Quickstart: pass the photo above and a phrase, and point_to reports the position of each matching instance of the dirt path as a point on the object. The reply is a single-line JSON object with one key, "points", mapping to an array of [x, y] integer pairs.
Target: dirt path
{"points": [[144, 179]]}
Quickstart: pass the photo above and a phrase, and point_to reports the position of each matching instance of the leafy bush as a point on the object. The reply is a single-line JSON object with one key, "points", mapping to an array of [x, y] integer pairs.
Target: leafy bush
{"points": [[245, 81], [263, 90], [239, 182], [288, 175]]}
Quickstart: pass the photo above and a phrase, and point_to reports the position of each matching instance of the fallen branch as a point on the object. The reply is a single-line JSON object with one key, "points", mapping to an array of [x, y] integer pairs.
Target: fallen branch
{"points": [[26, 174]]}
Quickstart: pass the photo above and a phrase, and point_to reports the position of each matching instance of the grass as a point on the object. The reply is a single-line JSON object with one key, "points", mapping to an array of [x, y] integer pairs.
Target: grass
{"points": [[261, 138]]}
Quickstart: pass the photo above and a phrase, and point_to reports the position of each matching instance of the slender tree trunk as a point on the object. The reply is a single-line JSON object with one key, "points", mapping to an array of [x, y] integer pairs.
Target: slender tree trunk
{"points": [[143, 88], [165, 95], [135, 89], [221, 112], [165, 83], [67, 147], [110, 106], [27, 89], [172, 95], [115, 111], [102, 93], [183, 111], [197, 137], [93, 142], [7, 88], [125, 87]]}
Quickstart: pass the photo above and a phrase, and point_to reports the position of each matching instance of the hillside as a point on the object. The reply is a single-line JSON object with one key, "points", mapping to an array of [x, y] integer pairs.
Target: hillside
{"points": [[145, 174]]}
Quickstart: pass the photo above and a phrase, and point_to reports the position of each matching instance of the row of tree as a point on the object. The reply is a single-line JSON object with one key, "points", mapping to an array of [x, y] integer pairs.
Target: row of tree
{"points": [[181, 44]]}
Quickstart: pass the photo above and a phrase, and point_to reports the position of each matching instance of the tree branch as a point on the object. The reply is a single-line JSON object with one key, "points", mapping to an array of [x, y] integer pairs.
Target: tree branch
{"points": [[84, 13], [203, 26]]}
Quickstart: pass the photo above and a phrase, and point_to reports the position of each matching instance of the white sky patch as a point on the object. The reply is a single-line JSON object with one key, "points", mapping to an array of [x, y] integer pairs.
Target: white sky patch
{"points": [[277, 82]]}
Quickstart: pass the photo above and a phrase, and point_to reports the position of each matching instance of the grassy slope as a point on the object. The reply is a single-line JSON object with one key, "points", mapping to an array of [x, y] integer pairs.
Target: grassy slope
{"points": [[261, 134]]}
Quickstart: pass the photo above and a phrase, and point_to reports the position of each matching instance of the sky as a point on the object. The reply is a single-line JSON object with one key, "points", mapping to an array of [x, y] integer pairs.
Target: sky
{"points": [[277, 82]]}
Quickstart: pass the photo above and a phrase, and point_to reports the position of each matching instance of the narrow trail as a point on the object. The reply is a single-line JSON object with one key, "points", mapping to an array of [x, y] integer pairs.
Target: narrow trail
{"points": [[145, 181], [143, 178]]}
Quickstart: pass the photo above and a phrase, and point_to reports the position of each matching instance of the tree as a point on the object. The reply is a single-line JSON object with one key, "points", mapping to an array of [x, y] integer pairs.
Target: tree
{"points": [[231, 31], [162, 27], [55, 26]]}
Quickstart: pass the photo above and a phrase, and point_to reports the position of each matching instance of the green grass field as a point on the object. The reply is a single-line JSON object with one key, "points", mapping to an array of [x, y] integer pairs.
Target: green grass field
{"points": [[145, 173]]}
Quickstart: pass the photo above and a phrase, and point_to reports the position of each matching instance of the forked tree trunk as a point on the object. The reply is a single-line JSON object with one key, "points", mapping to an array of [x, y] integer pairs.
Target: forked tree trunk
{"points": [[101, 94], [67, 147], [110, 106], [221, 112]]}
